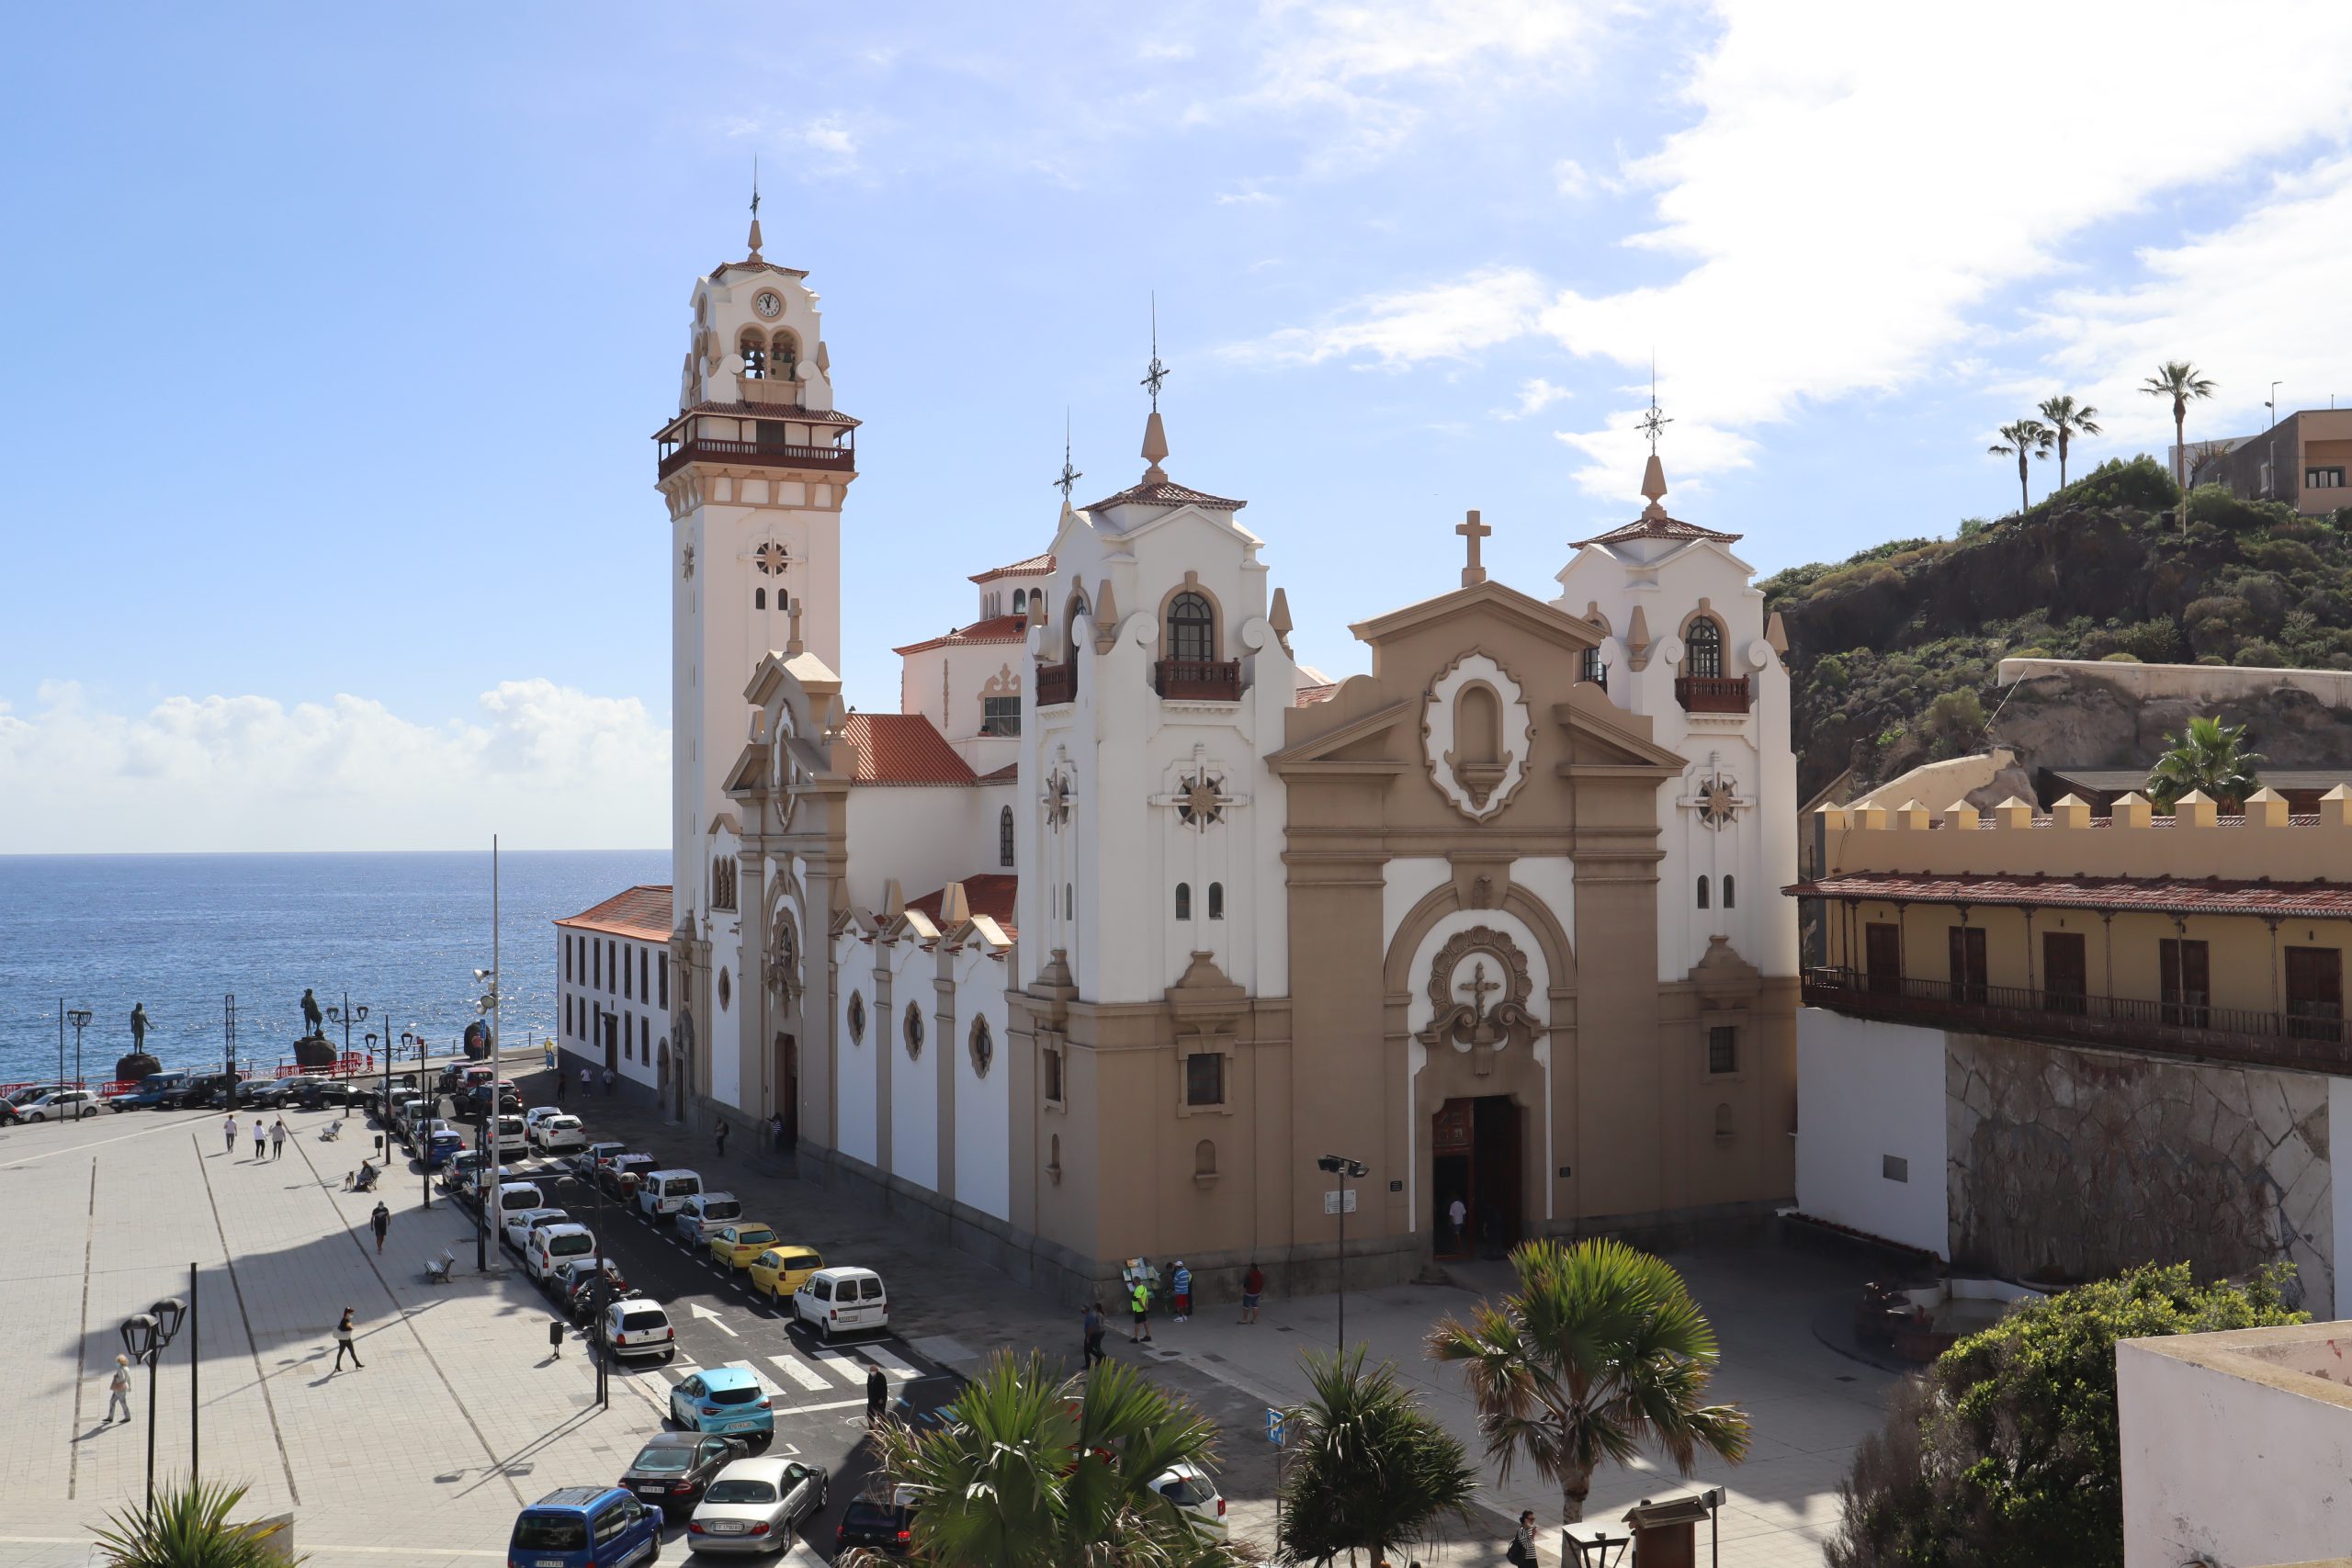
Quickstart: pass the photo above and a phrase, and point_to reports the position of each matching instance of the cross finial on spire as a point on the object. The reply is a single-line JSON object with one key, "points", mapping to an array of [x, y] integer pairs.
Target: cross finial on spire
{"points": [[1068, 480], [1155, 373], [1473, 530], [1655, 421], [755, 207]]}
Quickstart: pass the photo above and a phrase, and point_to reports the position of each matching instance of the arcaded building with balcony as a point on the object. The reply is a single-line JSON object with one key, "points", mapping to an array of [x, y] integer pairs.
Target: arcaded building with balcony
{"points": [[2051, 1045]]}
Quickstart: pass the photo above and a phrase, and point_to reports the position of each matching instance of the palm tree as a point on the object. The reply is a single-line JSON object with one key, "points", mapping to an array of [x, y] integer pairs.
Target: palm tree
{"points": [[2025, 438], [2179, 380], [2068, 419], [1034, 1470], [187, 1527], [1599, 1354], [1372, 1473], [2206, 756]]}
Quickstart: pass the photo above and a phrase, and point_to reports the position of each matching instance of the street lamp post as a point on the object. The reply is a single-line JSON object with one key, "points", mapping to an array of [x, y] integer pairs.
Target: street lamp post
{"points": [[146, 1336], [345, 1015], [79, 1019], [1343, 1167]]}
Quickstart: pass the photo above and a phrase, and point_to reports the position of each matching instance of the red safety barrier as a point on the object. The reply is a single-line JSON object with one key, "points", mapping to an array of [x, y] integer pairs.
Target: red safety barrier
{"points": [[117, 1085]]}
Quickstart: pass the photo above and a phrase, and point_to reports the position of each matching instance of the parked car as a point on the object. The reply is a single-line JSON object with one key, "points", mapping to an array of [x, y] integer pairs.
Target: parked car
{"points": [[539, 1113], [736, 1242], [437, 1151], [755, 1504], [209, 1088], [277, 1093], [520, 1223], [638, 1327], [573, 1285], [63, 1105], [661, 1193], [155, 1091], [586, 1527], [886, 1528], [507, 1135], [28, 1093], [481, 1095], [558, 1135], [619, 1175], [326, 1093], [782, 1270], [703, 1210], [551, 1245], [514, 1197], [1189, 1487], [671, 1471], [590, 1160], [842, 1301], [425, 1127], [723, 1399]]}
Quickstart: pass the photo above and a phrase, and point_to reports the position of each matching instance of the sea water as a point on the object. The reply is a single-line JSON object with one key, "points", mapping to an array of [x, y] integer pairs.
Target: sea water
{"points": [[402, 933]]}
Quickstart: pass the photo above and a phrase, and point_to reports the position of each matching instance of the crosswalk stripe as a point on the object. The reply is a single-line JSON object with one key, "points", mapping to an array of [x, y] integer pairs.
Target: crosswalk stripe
{"points": [[678, 1371], [800, 1371], [841, 1364], [768, 1385], [888, 1363]]}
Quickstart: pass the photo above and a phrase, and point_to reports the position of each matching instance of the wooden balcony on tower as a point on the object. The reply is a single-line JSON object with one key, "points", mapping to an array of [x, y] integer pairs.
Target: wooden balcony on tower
{"points": [[1198, 680], [1714, 693], [1057, 683]]}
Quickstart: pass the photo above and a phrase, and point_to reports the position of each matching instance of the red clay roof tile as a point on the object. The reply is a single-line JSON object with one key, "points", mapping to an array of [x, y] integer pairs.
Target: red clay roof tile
{"points": [[988, 893], [1029, 567], [2155, 895], [996, 628], [902, 749], [642, 912]]}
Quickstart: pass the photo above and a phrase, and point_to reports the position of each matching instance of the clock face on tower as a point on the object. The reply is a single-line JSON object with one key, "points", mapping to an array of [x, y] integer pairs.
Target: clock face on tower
{"points": [[768, 303]]}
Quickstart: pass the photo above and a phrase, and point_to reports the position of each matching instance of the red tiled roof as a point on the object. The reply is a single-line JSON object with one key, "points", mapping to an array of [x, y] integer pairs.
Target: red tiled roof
{"points": [[2155, 895], [988, 893], [1309, 695], [761, 265], [1004, 774], [1167, 492], [1655, 528], [792, 412], [642, 912], [996, 628], [1030, 568], [902, 749]]}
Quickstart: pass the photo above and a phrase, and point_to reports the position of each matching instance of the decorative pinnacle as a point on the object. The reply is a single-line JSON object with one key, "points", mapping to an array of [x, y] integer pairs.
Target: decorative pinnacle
{"points": [[755, 207], [1155, 373], [1155, 447], [1068, 480]]}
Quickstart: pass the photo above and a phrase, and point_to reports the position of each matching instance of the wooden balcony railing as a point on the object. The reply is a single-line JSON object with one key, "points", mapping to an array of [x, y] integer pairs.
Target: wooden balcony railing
{"points": [[1217, 681], [1057, 683], [764, 454], [2307, 1036], [1713, 693]]}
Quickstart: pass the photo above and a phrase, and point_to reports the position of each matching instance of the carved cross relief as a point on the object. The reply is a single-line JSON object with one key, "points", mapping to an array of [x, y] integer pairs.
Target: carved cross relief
{"points": [[1461, 968]]}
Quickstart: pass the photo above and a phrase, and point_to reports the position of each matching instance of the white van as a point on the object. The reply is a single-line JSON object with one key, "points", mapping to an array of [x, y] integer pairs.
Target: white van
{"points": [[551, 1245], [507, 1134], [514, 1197], [664, 1192], [842, 1300]]}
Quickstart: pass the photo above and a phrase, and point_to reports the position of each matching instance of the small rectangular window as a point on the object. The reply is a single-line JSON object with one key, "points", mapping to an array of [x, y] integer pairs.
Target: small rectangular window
{"points": [[1204, 1078], [2323, 478], [1894, 1167], [1052, 1064], [662, 970], [628, 980], [1723, 1048], [999, 716]]}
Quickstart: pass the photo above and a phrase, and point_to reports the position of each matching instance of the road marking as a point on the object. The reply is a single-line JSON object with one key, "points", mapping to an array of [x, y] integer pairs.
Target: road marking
{"points": [[716, 1321], [800, 1371], [889, 1363], [841, 1364], [768, 1385]]}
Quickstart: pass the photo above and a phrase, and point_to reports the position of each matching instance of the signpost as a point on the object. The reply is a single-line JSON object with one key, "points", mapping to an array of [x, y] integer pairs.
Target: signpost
{"points": [[1277, 1428]]}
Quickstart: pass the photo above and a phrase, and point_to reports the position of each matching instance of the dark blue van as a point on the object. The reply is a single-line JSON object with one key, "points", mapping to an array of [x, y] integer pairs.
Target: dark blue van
{"points": [[586, 1527]]}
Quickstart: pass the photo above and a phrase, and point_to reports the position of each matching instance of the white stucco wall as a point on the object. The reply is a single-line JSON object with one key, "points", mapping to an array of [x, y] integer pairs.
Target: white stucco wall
{"points": [[1866, 1090], [914, 1080], [983, 1105], [853, 1069], [924, 837], [2245, 1469]]}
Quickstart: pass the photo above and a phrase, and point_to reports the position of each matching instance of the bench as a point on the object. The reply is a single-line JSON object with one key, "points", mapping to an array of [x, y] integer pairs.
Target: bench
{"points": [[437, 1270]]}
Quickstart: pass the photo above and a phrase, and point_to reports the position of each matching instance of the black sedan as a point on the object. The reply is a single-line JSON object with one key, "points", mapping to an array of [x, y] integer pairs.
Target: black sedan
{"points": [[884, 1527], [671, 1471]]}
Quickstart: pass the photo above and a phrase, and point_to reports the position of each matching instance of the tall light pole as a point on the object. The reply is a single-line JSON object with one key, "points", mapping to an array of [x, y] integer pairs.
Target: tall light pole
{"points": [[343, 1015], [146, 1336], [1343, 1167], [79, 1019]]}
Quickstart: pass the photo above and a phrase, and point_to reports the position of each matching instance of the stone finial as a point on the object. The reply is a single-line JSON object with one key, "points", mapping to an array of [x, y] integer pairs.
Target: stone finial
{"points": [[1637, 639], [2013, 813], [953, 907], [2266, 807], [1155, 449], [2071, 811], [2131, 810], [2195, 809], [1037, 609], [1278, 617], [1107, 617], [1776, 634], [2335, 807], [1961, 817], [894, 899], [1653, 486], [1912, 817], [755, 236]]}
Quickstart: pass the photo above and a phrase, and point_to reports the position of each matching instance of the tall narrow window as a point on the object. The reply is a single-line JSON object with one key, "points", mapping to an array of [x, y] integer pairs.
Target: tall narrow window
{"points": [[1967, 967], [1703, 893], [759, 598], [628, 980], [1192, 627], [1704, 649], [1729, 893], [1723, 1048], [2186, 982], [2316, 993], [1020, 601], [643, 990], [1217, 900], [1004, 837], [1183, 900], [1070, 902], [661, 973], [1593, 670]]}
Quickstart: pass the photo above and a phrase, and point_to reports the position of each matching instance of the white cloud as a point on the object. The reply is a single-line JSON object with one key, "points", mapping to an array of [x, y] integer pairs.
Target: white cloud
{"points": [[1535, 396], [1244, 199], [1568, 178], [1449, 320], [551, 766]]}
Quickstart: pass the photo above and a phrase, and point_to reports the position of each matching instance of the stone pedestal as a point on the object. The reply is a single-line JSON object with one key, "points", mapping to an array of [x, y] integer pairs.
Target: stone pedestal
{"points": [[314, 1051], [137, 1065]]}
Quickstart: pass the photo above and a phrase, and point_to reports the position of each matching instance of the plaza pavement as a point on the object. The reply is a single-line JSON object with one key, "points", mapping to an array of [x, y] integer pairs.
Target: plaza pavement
{"points": [[459, 1416]]}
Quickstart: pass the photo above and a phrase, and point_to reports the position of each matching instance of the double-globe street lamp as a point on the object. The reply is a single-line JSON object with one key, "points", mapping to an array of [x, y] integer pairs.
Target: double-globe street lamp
{"points": [[146, 1336], [1343, 1167], [79, 1019], [346, 1015]]}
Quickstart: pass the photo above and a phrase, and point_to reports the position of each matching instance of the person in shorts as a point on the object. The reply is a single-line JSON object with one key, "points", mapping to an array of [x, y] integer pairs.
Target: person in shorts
{"points": [[1254, 1285]]}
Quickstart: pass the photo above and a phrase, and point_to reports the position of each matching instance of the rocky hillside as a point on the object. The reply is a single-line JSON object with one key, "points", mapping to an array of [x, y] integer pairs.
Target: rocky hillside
{"points": [[1893, 652]]}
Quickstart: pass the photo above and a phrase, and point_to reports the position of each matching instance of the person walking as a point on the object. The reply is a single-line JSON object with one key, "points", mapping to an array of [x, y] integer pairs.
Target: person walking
{"points": [[1460, 1215], [722, 1137], [277, 1139], [1181, 1284], [228, 1132], [261, 1140], [609, 1081], [584, 1082], [343, 1345], [878, 1396], [1522, 1551], [775, 1131], [1139, 1304], [1254, 1285], [380, 1222], [562, 1088], [119, 1390], [1091, 1325]]}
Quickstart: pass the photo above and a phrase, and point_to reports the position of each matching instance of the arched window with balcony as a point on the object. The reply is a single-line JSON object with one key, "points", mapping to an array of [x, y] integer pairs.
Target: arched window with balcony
{"points": [[754, 350], [1191, 628], [1704, 649], [1004, 837]]}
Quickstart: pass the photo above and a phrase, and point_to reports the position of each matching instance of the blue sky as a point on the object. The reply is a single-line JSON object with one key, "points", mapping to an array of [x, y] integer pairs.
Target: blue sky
{"points": [[333, 338]]}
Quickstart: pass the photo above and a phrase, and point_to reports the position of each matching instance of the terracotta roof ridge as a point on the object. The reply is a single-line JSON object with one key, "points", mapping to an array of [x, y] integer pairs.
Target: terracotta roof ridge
{"points": [[1166, 493]]}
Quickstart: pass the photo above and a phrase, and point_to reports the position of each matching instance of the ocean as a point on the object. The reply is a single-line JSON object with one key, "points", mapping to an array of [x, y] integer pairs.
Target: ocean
{"points": [[402, 933]]}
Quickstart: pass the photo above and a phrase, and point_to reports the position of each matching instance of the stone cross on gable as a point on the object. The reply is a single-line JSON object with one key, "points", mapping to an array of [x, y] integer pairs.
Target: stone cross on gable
{"points": [[1473, 530]]}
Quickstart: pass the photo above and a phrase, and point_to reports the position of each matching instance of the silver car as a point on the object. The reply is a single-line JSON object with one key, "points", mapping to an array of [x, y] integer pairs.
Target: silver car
{"points": [[755, 1504]]}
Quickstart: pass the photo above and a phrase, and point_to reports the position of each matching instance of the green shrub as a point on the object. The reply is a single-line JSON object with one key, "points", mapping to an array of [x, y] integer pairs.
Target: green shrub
{"points": [[2256, 655], [2214, 506], [2118, 657], [2140, 484], [1831, 673], [2027, 652]]}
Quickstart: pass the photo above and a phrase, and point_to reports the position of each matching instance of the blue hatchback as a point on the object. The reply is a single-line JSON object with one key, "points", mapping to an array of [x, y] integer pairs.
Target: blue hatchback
{"points": [[723, 1399], [586, 1527], [441, 1148]]}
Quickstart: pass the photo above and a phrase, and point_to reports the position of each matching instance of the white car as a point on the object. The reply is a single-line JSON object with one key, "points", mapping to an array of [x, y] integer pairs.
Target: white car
{"points": [[756, 1504], [539, 1113], [521, 1223], [585, 1162], [842, 1301], [552, 1244], [506, 1135], [558, 1135], [1189, 1487], [638, 1327], [661, 1193], [697, 1214], [66, 1104]]}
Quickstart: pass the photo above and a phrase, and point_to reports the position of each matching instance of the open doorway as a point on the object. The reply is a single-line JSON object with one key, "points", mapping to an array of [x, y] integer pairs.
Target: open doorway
{"points": [[1474, 1178]]}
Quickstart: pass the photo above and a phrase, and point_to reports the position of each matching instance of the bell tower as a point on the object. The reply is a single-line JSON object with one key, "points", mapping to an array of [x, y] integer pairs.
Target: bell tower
{"points": [[755, 466]]}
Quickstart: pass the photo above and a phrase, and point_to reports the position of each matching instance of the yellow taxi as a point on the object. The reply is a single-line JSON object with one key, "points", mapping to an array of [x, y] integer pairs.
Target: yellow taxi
{"points": [[780, 1271], [737, 1242]]}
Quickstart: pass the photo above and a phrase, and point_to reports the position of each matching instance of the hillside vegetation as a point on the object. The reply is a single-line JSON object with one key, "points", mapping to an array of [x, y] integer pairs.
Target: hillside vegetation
{"points": [[1893, 652]]}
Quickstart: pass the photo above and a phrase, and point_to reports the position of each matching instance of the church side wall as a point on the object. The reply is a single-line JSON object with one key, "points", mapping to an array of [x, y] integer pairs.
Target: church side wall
{"points": [[914, 1097], [982, 1121], [1871, 1152], [856, 1085]]}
